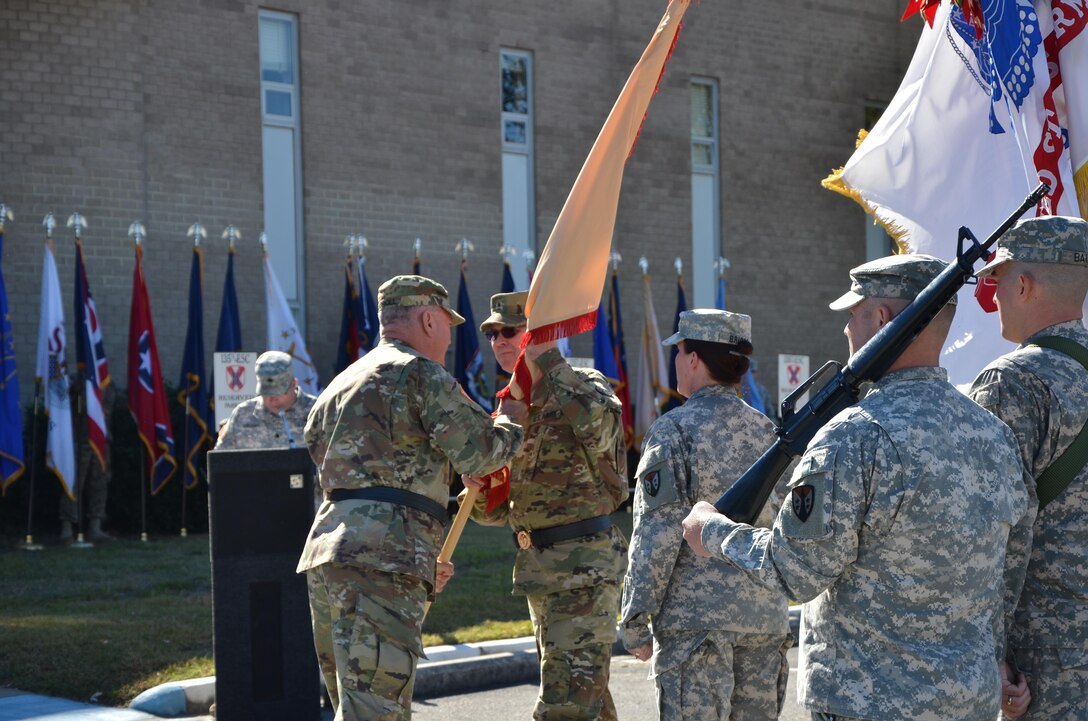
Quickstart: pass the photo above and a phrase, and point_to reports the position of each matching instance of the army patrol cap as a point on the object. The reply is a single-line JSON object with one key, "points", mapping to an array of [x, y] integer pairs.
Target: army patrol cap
{"points": [[1053, 239], [896, 276], [507, 309], [715, 326], [275, 371], [415, 291]]}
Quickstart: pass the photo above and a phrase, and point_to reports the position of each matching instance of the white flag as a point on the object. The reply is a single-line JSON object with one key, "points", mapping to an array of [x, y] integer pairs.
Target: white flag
{"points": [[283, 333], [653, 374], [52, 373], [970, 132]]}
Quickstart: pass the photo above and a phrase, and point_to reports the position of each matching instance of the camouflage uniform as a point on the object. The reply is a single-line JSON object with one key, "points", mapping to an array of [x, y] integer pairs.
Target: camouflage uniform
{"points": [[251, 425], [393, 419], [92, 477], [720, 640], [1042, 395], [571, 468], [899, 622]]}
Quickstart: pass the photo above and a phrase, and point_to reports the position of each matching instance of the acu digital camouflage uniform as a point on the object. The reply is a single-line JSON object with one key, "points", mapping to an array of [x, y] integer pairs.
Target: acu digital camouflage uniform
{"points": [[392, 419], [93, 474], [720, 640], [895, 534], [572, 467], [252, 426], [1042, 395]]}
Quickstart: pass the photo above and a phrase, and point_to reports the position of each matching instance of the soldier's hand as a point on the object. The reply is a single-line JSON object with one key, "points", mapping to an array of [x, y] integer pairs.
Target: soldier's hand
{"points": [[534, 351], [1015, 694], [701, 512], [518, 411], [643, 653], [443, 572], [480, 484]]}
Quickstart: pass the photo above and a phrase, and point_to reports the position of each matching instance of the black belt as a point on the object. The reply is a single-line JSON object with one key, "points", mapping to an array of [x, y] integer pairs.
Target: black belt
{"points": [[544, 537], [399, 496]]}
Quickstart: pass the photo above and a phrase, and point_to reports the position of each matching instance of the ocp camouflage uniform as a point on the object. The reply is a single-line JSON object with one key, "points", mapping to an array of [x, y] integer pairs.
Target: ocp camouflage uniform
{"points": [[895, 533], [1042, 395], [720, 640], [572, 467], [252, 426], [393, 419]]}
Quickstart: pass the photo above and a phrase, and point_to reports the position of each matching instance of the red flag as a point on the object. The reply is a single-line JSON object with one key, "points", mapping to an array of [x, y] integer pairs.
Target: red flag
{"points": [[146, 395]]}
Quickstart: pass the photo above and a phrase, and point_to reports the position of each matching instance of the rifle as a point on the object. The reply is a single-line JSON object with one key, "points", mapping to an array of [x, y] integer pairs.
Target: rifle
{"points": [[744, 499]]}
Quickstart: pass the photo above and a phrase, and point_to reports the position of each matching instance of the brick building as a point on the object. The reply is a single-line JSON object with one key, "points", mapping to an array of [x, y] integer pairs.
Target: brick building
{"points": [[436, 119]]}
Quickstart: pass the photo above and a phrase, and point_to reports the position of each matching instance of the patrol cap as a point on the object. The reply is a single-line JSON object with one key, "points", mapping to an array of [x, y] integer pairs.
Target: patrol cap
{"points": [[715, 326], [1053, 239], [507, 309], [896, 276], [275, 371], [415, 291]]}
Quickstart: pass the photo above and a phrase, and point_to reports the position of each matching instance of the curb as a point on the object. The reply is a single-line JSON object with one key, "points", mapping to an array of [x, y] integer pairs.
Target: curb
{"points": [[448, 669]]}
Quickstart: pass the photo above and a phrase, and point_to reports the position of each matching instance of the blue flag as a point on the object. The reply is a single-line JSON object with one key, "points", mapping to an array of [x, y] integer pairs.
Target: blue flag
{"points": [[604, 357], [228, 339], [468, 365], [749, 391], [675, 399], [367, 319], [194, 381], [615, 334], [502, 378], [11, 417]]}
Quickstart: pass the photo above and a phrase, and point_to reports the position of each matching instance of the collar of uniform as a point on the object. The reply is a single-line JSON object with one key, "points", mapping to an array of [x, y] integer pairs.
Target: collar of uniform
{"points": [[715, 389], [400, 345], [1071, 329], [924, 373]]}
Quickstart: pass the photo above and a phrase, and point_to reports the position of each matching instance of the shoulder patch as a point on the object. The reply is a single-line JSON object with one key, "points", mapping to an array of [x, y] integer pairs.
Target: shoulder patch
{"points": [[807, 511], [656, 480]]}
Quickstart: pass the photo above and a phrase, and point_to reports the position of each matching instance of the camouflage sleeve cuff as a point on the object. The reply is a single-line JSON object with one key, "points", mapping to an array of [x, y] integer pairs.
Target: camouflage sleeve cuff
{"points": [[635, 633], [716, 530]]}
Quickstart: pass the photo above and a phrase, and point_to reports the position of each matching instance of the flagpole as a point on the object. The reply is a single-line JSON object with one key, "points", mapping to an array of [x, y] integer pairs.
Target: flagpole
{"points": [[78, 223], [29, 544], [136, 232]]}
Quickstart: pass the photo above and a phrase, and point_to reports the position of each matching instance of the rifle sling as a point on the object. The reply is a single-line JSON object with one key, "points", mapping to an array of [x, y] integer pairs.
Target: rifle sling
{"points": [[1059, 474]]}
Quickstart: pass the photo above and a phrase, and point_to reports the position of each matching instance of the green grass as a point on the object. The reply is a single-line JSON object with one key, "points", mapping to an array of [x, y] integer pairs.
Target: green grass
{"points": [[114, 620]]}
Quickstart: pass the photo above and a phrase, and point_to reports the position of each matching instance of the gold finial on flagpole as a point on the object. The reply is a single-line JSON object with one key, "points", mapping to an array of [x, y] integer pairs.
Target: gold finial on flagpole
{"points": [[137, 232], [349, 243], [231, 234], [679, 265], [644, 265], [530, 259], [5, 214], [49, 223], [616, 259], [506, 252], [77, 222], [197, 233], [361, 244]]}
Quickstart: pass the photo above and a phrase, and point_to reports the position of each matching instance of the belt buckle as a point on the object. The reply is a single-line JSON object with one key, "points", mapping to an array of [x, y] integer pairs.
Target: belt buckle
{"points": [[525, 540]]}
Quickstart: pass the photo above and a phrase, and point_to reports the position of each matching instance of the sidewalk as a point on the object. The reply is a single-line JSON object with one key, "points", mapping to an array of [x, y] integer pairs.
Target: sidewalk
{"points": [[448, 670]]}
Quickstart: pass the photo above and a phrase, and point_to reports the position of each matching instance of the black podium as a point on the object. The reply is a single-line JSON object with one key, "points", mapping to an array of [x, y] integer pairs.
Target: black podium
{"points": [[261, 508]]}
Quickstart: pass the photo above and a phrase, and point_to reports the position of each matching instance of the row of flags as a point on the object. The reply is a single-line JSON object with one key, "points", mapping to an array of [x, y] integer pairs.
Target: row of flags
{"points": [[147, 398]]}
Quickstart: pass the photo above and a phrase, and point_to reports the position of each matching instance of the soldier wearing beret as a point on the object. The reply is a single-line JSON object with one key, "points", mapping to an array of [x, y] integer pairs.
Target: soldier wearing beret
{"points": [[567, 479], [276, 417], [719, 640], [894, 533], [383, 435], [1041, 391]]}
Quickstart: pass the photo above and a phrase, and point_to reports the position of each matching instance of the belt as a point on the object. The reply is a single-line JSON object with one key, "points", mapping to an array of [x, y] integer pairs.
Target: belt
{"points": [[543, 537], [397, 496]]}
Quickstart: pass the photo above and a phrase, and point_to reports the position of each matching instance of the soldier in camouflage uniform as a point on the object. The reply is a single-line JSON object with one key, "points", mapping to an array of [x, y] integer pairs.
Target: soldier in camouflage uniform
{"points": [[567, 479], [93, 473], [894, 532], [719, 640], [1041, 272], [384, 434], [276, 417]]}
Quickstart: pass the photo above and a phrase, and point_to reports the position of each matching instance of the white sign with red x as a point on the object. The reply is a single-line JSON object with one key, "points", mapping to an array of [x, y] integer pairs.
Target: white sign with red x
{"points": [[792, 372]]}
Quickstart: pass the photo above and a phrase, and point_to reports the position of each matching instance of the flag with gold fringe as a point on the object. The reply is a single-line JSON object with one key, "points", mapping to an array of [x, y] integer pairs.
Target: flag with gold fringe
{"points": [[650, 391]]}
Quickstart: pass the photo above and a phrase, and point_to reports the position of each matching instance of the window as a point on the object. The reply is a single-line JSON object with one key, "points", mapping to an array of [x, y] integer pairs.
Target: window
{"points": [[516, 126], [877, 241], [705, 198]]}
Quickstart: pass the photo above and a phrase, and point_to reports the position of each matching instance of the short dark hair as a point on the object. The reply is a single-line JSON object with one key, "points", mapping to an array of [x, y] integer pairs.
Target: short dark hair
{"points": [[721, 359]]}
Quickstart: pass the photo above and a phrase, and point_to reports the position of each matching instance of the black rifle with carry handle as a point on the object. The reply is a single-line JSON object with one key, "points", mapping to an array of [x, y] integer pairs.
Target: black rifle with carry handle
{"points": [[744, 499]]}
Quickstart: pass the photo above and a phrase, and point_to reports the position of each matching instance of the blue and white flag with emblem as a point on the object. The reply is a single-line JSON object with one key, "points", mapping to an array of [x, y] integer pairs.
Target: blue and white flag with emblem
{"points": [[52, 375], [972, 129], [283, 332]]}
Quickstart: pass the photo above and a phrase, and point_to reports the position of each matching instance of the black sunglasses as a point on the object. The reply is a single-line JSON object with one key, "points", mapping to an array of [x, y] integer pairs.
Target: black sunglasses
{"points": [[507, 333]]}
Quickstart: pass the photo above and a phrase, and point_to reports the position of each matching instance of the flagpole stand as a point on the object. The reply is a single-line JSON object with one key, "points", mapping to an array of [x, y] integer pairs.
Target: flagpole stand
{"points": [[30, 545], [184, 532], [80, 542]]}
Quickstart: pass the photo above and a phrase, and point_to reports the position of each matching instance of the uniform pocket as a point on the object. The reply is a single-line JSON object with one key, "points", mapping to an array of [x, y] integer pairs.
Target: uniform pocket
{"points": [[807, 509]]}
